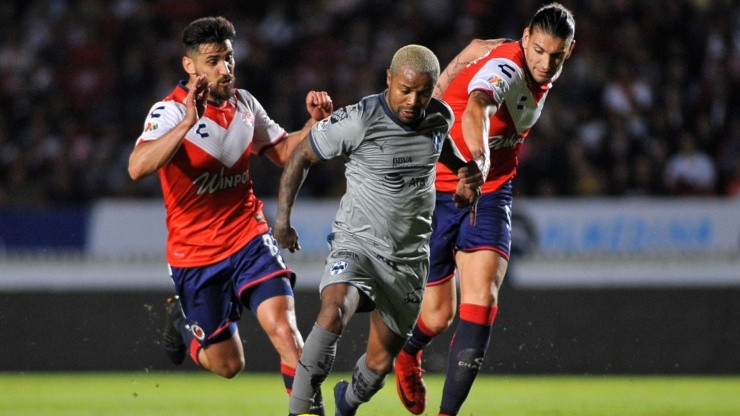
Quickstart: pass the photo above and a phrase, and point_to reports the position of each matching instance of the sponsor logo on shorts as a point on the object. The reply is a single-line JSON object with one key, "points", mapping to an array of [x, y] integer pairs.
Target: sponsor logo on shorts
{"points": [[346, 254], [338, 267], [197, 332], [413, 297]]}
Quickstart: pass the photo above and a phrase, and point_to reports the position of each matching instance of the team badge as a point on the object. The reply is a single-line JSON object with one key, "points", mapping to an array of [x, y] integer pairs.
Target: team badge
{"points": [[323, 124], [151, 126], [338, 267], [248, 118], [197, 332]]}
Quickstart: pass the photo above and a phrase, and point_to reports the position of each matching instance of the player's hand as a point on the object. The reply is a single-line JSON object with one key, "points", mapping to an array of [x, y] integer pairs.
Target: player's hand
{"points": [[468, 189], [286, 236], [195, 101], [319, 105]]}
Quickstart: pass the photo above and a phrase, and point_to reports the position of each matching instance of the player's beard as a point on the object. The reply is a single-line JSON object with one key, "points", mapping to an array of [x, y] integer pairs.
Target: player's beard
{"points": [[222, 92]]}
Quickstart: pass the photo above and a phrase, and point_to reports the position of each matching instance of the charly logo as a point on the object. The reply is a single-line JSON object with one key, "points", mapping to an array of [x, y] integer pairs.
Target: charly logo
{"points": [[214, 182], [338, 267]]}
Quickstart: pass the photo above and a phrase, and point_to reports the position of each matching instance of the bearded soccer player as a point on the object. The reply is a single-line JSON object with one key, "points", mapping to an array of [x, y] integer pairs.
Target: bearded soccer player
{"points": [[221, 254], [497, 89]]}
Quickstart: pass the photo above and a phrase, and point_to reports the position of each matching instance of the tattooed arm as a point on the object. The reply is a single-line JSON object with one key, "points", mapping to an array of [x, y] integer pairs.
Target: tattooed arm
{"points": [[477, 49], [294, 174]]}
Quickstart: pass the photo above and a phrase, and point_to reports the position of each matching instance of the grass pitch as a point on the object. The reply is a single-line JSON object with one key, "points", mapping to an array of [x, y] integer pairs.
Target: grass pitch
{"points": [[199, 393]]}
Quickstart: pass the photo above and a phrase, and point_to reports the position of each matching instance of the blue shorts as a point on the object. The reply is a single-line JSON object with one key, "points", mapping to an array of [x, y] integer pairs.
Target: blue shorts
{"points": [[452, 231], [213, 296]]}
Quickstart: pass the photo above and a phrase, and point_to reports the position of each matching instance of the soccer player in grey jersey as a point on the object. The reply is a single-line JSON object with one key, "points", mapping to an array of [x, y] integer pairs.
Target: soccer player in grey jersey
{"points": [[379, 255]]}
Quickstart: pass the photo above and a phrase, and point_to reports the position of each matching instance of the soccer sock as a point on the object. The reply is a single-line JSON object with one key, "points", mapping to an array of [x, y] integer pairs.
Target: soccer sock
{"points": [[467, 349], [313, 367], [365, 384], [288, 373], [191, 343], [421, 336]]}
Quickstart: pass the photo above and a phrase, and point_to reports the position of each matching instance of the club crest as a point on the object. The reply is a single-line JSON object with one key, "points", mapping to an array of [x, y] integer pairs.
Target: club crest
{"points": [[338, 267]]}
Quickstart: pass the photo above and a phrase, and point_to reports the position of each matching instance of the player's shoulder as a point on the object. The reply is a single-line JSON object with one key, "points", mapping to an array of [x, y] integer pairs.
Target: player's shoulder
{"points": [[440, 107], [365, 109], [244, 95], [166, 109], [508, 62]]}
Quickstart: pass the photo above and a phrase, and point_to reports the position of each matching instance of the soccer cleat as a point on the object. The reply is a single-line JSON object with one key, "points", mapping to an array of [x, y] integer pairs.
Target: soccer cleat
{"points": [[172, 340], [410, 382], [341, 406]]}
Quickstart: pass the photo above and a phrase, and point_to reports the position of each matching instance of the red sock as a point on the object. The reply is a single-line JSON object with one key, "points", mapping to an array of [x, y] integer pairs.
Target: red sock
{"points": [[288, 373]]}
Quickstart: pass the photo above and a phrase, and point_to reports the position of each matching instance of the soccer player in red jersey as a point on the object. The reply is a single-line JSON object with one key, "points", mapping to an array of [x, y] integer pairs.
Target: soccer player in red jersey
{"points": [[220, 250], [496, 89]]}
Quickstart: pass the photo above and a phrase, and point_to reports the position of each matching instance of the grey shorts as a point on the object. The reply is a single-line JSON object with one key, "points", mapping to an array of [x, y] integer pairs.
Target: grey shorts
{"points": [[395, 288]]}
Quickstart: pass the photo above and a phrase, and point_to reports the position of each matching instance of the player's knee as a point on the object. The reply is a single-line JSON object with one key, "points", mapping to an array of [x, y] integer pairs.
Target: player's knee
{"points": [[229, 368], [334, 316], [437, 319], [380, 365], [438, 323]]}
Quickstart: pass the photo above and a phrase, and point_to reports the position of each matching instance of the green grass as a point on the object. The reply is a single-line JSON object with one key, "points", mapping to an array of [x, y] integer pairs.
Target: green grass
{"points": [[199, 393]]}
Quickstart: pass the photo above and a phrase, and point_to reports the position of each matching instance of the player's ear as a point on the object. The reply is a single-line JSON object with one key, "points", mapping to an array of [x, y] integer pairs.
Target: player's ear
{"points": [[188, 65], [570, 48], [525, 37], [388, 77]]}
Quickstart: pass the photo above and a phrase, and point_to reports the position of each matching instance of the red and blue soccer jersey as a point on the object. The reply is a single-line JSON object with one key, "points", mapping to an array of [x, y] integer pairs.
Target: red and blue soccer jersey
{"points": [[502, 74], [212, 211]]}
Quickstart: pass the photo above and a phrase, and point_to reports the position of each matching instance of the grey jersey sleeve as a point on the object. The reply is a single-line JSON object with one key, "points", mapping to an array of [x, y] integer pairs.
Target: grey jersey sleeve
{"points": [[339, 134]]}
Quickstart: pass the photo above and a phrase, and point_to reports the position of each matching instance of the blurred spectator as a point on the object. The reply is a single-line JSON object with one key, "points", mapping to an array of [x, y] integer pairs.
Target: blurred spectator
{"points": [[76, 78], [689, 171]]}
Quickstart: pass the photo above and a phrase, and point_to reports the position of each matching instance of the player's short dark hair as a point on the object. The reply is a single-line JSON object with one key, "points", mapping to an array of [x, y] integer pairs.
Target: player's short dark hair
{"points": [[207, 30], [554, 19]]}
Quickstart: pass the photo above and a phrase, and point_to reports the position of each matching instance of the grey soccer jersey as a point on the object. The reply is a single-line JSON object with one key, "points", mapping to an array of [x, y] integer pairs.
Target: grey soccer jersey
{"points": [[390, 173]]}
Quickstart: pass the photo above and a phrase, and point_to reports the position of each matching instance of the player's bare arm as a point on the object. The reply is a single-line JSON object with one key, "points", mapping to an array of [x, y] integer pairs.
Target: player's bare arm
{"points": [[319, 106], [475, 126], [291, 180], [476, 49], [471, 178], [148, 156]]}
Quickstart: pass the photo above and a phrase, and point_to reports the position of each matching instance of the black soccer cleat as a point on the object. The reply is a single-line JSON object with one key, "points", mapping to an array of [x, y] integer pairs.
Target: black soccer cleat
{"points": [[172, 340]]}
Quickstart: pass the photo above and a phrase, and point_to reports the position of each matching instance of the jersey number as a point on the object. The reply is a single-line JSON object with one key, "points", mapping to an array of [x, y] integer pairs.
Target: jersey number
{"points": [[272, 245]]}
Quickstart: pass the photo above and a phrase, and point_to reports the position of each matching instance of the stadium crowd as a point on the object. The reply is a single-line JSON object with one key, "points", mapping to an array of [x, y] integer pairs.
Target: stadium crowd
{"points": [[647, 105]]}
